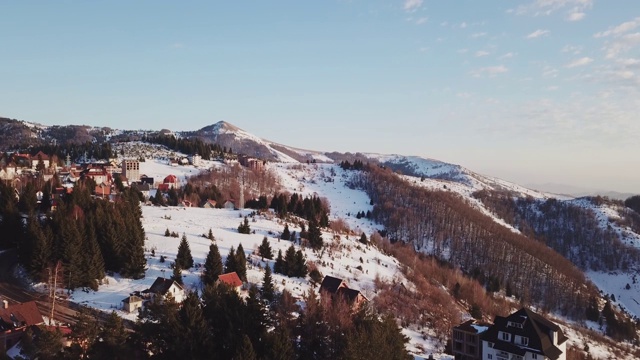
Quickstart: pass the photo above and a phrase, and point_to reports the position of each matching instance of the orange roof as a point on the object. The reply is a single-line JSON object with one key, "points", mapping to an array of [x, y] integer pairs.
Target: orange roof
{"points": [[171, 179], [231, 279]]}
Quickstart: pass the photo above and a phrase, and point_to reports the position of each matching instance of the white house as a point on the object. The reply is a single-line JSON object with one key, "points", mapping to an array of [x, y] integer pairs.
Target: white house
{"points": [[164, 287], [524, 335]]}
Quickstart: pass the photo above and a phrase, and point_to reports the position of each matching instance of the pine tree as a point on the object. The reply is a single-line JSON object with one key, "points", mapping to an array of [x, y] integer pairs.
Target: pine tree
{"points": [[167, 233], [289, 267], [363, 239], [212, 266], [279, 264], [300, 268], [315, 236], [241, 263], [245, 350], [244, 227], [94, 261], [230, 263], [265, 249], [286, 235], [279, 345], [268, 290], [177, 273], [210, 235], [184, 258]]}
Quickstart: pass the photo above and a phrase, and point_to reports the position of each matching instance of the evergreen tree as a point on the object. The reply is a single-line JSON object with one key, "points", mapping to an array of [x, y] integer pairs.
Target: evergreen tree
{"points": [[279, 264], [230, 263], [193, 338], [265, 249], [268, 289], [286, 235], [279, 345], [177, 274], [300, 267], [289, 266], [244, 227], [94, 262], [212, 266], [184, 258], [315, 236], [167, 233], [245, 350], [363, 239], [210, 235], [241, 263]]}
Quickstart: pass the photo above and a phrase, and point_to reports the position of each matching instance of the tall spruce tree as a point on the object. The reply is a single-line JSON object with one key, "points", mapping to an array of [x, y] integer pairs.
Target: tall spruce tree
{"points": [[177, 274], [230, 262], [289, 265], [268, 290], [314, 235], [286, 235], [300, 267], [212, 266], [265, 249], [184, 258], [279, 264], [241, 263]]}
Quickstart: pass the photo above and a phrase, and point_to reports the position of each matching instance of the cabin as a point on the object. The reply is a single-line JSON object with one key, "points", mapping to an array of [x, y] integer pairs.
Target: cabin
{"points": [[209, 204], [231, 279], [337, 288], [132, 303], [165, 287], [229, 204]]}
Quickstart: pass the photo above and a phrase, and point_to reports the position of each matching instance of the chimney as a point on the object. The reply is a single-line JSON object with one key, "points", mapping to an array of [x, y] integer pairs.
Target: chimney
{"points": [[5, 304]]}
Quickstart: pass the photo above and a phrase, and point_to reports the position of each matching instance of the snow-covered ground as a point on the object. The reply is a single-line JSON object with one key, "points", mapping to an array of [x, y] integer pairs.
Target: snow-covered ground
{"points": [[347, 254]]}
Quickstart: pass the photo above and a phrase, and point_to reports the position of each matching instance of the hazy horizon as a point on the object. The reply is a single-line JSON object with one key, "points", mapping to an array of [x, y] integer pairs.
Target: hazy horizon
{"points": [[537, 91]]}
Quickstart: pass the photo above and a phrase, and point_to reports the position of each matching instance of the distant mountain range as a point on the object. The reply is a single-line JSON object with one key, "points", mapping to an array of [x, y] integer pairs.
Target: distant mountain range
{"points": [[17, 134]]}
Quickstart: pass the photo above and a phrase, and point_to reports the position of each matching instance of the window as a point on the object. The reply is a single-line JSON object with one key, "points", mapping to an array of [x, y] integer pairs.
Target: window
{"points": [[458, 335], [505, 336], [489, 356], [521, 340], [534, 356], [514, 324]]}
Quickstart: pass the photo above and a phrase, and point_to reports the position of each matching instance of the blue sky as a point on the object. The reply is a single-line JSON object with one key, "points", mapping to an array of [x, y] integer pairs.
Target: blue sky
{"points": [[531, 91]]}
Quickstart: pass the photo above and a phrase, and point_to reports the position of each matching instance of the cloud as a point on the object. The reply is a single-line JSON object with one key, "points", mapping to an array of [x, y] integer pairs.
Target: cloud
{"points": [[481, 53], [490, 71], [508, 55], [575, 50], [478, 35], [422, 20], [463, 25], [552, 88], [463, 51], [576, 16], [619, 29], [412, 5], [538, 33], [548, 7], [177, 45], [579, 62]]}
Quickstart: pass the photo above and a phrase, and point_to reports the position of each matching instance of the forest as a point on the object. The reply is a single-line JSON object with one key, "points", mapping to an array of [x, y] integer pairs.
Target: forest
{"points": [[88, 236], [443, 224]]}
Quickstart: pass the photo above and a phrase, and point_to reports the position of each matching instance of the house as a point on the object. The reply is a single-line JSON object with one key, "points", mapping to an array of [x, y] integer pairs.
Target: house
{"points": [[338, 289], [102, 191], [210, 204], [15, 319], [144, 179], [523, 335], [131, 304], [35, 160], [144, 188], [229, 204], [163, 287], [231, 279], [465, 343], [171, 181]]}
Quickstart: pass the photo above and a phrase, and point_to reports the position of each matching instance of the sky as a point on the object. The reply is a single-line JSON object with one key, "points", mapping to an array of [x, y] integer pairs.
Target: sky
{"points": [[534, 91]]}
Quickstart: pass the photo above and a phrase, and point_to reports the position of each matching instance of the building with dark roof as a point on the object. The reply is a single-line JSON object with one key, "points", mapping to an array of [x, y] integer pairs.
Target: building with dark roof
{"points": [[523, 335], [338, 288], [163, 287]]}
